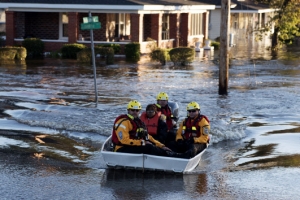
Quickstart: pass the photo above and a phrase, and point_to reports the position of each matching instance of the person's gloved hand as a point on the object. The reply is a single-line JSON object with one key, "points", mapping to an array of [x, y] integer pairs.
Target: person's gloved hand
{"points": [[166, 148], [163, 117], [191, 140], [148, 142], [180, 141]]}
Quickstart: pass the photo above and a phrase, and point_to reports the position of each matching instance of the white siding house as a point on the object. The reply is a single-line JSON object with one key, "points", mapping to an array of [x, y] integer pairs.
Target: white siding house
{"points": [[214, 24], [245, 17]]}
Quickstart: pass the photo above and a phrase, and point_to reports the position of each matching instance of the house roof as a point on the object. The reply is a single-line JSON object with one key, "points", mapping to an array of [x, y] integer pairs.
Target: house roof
{"points": [[243, 6], [249, 6], [111, 2], [132, 6], [107, 5]]}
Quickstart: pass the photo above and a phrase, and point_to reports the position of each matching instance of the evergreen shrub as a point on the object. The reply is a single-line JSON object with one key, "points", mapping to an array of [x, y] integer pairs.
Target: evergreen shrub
{"points": [[116, 47], [11, 53], [34, 47], [132, 51], [215, 44], [7, 53], [71, 50], [182, 55], [85, 55], [160, 55], [110, 56]]}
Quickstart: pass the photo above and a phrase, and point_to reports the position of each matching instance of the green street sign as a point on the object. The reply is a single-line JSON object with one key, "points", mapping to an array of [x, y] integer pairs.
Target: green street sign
{"points": [[90, 25], [90, 19], [85, 20], [95, 19]]}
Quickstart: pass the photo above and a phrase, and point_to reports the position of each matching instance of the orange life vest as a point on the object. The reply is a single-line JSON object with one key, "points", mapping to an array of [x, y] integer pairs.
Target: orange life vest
{"points": [[151, 123]]}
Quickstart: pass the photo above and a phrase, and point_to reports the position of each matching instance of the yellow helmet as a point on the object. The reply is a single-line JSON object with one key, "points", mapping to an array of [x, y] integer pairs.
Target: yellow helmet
{"points": [[192, 106], [134, 104], [162, 96]]}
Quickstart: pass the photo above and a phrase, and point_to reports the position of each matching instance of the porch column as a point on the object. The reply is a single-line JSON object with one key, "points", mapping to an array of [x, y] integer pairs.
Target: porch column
{"points": [[136, 27], [10, 28], [73, 27], [205, 24], [174, 28], [184, 29]]}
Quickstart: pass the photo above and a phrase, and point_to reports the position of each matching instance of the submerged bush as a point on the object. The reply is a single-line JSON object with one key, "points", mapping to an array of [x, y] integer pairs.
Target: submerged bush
{"points": [[215, 44], [13, 53], [132, 51], [34, 47], [71, 50], [7, 53], [182, 55], [116, 47], [160, 55], [85, 55]]}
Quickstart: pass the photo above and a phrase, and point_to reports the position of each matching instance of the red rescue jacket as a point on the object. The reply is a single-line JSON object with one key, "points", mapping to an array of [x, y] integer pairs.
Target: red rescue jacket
{"points": [[168, 113], [192, 129]]}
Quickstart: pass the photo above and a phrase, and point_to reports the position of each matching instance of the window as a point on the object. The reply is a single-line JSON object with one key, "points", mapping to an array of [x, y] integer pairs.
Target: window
{"points": [[118, 25], [196, 24], [165, 27], [124, 21], [63, 25]]}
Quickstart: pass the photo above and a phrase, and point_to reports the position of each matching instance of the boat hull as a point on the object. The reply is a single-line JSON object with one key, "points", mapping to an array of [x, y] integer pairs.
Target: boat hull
{"points": [[147, 162]]}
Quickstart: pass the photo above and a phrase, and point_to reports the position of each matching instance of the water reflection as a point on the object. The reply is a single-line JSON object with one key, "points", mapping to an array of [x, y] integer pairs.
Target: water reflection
{"points": [[196, 184], [129, 184], [13, 67], [56, 147], [279, 161], [204, 55], [276, 144]]}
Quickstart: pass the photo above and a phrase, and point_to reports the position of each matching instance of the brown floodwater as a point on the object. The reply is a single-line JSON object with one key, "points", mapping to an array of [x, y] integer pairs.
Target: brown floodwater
{"points": [[51, 132]]}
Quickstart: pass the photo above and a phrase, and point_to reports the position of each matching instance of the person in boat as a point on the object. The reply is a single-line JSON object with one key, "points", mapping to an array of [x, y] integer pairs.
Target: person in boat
{"points": [[130, 135], [155, 123], [163, 107], [193, 134]]}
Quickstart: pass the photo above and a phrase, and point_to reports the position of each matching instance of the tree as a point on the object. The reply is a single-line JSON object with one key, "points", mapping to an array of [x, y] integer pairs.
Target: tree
{"points": [[286, 21]]}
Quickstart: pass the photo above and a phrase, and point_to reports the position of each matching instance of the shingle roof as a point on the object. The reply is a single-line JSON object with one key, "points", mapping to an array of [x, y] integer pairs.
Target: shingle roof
{"points": [[249, 5], [113, 2], [245, 5], [240, 4]]}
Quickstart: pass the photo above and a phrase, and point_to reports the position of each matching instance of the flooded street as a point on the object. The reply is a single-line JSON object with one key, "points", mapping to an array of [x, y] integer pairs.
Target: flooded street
{"points": [[51, 132]]}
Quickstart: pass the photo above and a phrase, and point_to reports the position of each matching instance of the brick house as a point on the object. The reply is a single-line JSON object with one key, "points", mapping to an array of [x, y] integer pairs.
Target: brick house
{"points": [[171, 23]]}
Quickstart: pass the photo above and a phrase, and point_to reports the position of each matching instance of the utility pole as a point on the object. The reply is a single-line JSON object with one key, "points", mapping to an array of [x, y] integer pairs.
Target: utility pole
{"points": [[224, 54]]}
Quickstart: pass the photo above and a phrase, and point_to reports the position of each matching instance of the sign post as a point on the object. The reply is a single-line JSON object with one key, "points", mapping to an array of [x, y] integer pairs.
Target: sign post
{"points": [[90, 23]]}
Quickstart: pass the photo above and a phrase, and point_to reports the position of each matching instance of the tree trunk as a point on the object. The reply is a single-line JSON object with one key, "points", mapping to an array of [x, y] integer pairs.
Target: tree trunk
{"points": [[281, 12], [275, 38]]}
